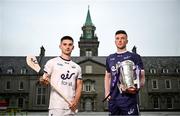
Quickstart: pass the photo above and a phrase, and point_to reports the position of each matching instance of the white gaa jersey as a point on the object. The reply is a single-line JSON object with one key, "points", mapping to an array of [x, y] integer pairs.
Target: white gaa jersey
{"points": [[63, 74]]}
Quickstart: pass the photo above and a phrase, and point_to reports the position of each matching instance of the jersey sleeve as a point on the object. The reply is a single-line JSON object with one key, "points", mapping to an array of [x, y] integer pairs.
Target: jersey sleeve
{"points": [[107, 65], [48, 67], [139, 62], [79, 76]]}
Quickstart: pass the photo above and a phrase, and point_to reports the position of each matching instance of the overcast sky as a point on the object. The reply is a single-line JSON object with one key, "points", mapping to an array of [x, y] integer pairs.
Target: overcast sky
{"points": [[153, 26]]}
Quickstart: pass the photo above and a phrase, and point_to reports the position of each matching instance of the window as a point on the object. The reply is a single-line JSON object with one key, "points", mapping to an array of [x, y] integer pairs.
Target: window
{"points": [[165, 71], [88, 69], [156, 103], [20, 102], [88, 104], [168, 84], [89, 86], [177, 70], [154, 84], [9, 71], [8, 86], [152, 71], [169, 102], [40, 95], [88, 53], [21, 85], [0, 70], [23, 71], [88, 33]]}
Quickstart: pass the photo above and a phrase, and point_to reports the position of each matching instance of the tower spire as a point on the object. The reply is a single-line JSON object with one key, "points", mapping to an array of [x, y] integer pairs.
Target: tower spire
{"points": [[88, 43], [88, 18]]}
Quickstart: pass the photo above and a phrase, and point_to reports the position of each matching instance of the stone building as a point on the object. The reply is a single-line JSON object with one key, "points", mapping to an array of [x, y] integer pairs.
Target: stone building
{"points": [[19, 88]]}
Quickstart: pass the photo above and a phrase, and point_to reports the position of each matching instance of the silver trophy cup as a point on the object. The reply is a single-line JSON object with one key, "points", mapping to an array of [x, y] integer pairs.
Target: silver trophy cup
{"points": [[128, 77]]}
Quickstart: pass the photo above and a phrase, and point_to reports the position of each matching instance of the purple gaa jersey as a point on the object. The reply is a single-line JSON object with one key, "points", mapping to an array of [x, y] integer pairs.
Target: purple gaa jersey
{"points": [[112, 62]]}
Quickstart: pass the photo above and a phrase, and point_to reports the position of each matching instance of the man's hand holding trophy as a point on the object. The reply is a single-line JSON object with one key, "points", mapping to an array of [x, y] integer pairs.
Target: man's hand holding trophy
{"points": [[129, 77]]}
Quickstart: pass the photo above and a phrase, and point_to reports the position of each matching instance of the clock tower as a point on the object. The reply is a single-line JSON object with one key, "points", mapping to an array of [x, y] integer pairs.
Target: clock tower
{"points": [[88, 43]]}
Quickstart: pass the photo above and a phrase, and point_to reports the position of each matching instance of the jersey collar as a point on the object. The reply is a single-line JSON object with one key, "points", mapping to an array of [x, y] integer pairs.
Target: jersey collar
{"points": [[64, 59]]}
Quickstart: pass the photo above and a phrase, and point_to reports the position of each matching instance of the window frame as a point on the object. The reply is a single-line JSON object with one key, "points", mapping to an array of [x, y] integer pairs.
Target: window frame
{"points": [[156, 99], [21, 82], [41, 95], [169, 104], [156, 84], [88, 53], [169, 81], [8, 85], [88, 69]]}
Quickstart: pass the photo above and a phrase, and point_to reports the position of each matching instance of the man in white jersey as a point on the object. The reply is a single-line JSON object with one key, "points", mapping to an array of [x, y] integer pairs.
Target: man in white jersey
{"points": [[65, 74]]}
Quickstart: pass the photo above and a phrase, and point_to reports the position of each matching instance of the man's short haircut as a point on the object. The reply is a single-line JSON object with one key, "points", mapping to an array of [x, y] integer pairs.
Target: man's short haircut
{"points": [[121, 32], [67, 38]]}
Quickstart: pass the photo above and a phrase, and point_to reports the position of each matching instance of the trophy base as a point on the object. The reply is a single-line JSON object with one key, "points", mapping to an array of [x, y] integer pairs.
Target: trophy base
{"points": [[131, 90]]}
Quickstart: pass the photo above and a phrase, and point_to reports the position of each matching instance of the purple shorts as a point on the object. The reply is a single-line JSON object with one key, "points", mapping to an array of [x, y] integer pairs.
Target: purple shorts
{"points": [[116, 109]]}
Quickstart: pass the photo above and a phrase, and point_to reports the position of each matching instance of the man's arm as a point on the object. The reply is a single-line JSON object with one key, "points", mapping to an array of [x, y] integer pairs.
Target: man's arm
{"points": [[74, 103], [107, 80], [142, 78], [79, 84], [44, 79]]}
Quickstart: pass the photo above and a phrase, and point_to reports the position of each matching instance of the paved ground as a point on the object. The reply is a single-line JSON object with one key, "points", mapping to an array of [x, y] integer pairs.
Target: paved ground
{"points": [[91, 114]]}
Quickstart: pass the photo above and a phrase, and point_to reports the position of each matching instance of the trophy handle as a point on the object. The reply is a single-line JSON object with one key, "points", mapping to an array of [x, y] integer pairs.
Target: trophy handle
{"points": [[137, 80]]}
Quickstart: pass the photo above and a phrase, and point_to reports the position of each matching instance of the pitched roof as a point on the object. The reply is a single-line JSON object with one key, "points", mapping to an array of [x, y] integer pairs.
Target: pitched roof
{"points": [[19, 62]]}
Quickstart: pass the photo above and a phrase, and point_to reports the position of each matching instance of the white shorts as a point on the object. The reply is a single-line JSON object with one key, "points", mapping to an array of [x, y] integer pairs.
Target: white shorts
{"points": [[61, 112]]}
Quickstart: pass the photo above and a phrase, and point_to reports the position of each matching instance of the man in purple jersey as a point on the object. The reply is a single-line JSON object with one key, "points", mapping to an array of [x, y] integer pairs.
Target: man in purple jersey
{"points": [[120, 102]]}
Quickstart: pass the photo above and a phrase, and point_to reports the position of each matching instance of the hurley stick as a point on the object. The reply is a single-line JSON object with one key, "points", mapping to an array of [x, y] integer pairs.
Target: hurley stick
{"points": [[33, 63]]}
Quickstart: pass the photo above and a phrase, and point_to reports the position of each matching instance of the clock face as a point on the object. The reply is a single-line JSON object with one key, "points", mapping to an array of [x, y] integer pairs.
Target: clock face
{"points": [[88, 31], [88, 28]]}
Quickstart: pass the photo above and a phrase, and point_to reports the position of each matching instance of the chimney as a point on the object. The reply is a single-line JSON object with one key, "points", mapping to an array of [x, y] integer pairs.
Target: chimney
{"points": [[134, 50], [41, 55]]}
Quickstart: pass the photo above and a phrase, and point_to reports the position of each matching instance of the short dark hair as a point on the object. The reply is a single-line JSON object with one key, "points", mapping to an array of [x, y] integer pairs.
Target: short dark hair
{"points": [[67, 38], [121, 32]]}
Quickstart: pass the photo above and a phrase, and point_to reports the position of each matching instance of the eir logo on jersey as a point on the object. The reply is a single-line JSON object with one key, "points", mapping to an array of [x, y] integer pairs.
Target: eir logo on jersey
{"points": [[68, 75]]}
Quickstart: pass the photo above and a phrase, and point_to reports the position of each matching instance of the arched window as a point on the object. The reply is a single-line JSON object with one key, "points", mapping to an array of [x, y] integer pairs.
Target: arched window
{"points": [[10, 70], [165, 70], [152, 71], [23, 70], [89, 85], [177, 70]]}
